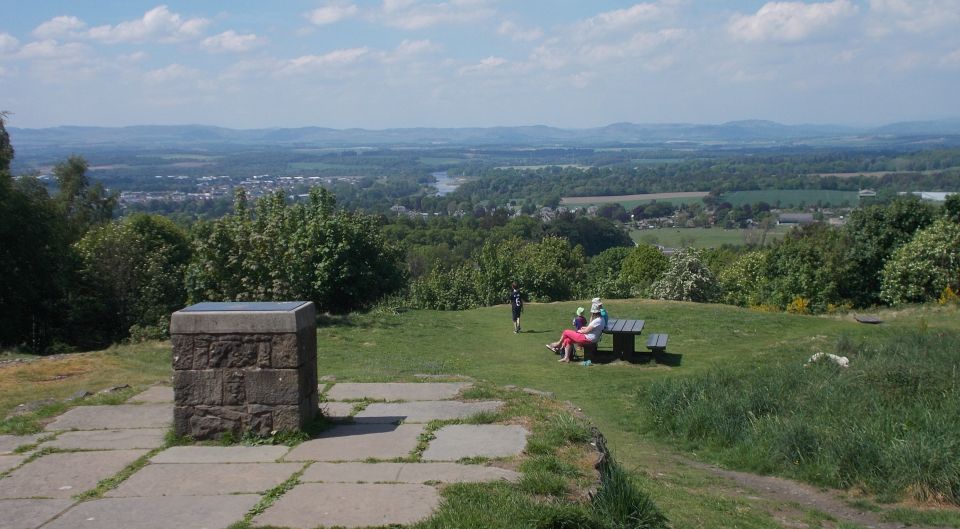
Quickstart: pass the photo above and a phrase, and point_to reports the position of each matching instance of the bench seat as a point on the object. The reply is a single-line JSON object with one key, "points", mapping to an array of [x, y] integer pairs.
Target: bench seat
{"points": [[657, 342]]}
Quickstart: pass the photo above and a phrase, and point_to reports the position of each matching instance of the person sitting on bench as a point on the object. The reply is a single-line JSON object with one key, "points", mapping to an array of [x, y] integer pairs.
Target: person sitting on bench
{"points": [[589, 333]]}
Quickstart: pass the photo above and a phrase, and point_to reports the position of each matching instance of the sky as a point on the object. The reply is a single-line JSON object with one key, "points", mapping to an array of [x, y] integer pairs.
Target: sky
{"points": [[476, 63]]}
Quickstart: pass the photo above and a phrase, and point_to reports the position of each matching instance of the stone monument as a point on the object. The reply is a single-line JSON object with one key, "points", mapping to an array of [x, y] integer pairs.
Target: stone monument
{"points": [[244, 367]]}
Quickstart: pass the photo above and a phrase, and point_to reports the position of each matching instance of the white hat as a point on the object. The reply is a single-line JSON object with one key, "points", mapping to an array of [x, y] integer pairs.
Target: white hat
{"points": [[596, 301], [594, 308]]}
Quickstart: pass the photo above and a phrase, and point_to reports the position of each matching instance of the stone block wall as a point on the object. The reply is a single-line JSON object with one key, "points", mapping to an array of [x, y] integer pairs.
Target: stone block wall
{"points": [[243, 378]]}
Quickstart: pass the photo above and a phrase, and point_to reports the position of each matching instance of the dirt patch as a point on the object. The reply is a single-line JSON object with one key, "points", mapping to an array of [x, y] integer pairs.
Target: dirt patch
{"points": [[786, 495]]}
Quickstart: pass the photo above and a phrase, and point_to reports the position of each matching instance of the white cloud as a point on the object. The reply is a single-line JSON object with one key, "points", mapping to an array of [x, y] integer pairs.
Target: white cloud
{"points": [[519, 34], [231, 41], [171, 73], [58, 27], [490, 63], [8, 43], [310, 63], [414, 47], [157, 24], [620, 19], [413, 14], [332, 13], [790, 21], [951, 59], [53, 50], [914, 16], [638, 44]]}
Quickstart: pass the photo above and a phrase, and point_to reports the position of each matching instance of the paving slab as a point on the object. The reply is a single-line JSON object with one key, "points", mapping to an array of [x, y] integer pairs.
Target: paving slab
{"points": [[108, 439], [119, 416], [30, 514], [336, 410], [220, 454], [404, 473], [483, 440], [396, 391], [423, 411], [310, 505], [11, 461], [9, 443], [205, 479], [357, 442], [66, 474], [208, 512], [154, 394]]}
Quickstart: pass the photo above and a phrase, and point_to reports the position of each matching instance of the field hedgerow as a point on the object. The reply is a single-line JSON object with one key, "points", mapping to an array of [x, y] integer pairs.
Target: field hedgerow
{"points": [[887, 424]]}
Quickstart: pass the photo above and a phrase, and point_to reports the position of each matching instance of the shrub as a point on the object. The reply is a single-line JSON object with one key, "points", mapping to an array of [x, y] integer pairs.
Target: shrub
{"points": [[687, 279], [921, 269], [644, 265], [742, 281]]}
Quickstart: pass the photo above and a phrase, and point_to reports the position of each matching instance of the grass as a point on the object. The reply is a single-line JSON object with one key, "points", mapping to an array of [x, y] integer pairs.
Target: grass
{"points": [[886, 425], [792, 198], [699, 237], [480, 343]]}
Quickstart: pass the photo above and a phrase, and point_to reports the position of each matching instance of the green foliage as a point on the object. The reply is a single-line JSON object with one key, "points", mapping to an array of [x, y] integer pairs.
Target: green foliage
{"points": [[545, 271], [604, 272], [687, 279], [810, 263], [951, 208], [642, 267], [622, 505], [130, 280], [884, 424], [743, 281], [339, 260], [873, 234], [6, 148], [82, 204], [921, 269]]}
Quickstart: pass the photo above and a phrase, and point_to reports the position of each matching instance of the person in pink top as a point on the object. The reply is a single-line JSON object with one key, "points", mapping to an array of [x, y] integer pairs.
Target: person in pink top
{"points": [[589, 333]]}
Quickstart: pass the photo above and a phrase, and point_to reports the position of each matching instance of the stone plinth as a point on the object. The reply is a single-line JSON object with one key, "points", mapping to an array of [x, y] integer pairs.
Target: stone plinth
{"points": [[244, 367]]}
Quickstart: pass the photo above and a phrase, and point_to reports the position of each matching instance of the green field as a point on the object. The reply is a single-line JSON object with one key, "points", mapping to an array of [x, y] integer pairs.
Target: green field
{"points": [[314, 166], [396, 346], [700, 237], [792, 198]]}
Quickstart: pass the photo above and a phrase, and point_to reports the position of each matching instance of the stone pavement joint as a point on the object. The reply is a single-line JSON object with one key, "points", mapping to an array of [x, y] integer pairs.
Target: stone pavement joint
{"points": [[404, 473], [108, 439], [9, 443], [29, 514], [423, 411], [205, 479], [220, 454], [11, 461], [154, 394], [356, 442], [397, 391]]}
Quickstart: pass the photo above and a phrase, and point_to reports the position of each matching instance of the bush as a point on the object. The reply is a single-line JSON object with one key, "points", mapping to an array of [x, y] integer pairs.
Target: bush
{"points": [[644, 265], [687, 279], [742, 281], [920, 270]]}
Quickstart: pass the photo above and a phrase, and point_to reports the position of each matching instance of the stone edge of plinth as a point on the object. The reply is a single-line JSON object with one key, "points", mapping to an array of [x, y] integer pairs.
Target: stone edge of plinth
{"points": [[229, 322]]}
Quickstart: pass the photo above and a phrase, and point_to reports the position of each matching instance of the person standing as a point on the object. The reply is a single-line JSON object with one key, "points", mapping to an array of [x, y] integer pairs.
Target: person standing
{"points": [[516, 304]]}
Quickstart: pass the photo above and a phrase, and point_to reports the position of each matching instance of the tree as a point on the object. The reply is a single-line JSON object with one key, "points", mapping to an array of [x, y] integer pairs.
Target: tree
{"points": [[81, 204], [339, 260], [6, 148], [875, 232], [743, 281], [687, 278], [642, 266], [603, 272], [131, 274], [809, 263], [921, 269], [951, 207]]}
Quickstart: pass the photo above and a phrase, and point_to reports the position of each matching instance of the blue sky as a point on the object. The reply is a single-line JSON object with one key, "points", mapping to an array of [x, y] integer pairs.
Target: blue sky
{"points": [[451, 63]]}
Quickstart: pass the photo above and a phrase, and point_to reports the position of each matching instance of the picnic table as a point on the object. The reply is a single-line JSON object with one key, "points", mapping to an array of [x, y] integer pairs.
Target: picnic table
{"points": [[624, 333]]}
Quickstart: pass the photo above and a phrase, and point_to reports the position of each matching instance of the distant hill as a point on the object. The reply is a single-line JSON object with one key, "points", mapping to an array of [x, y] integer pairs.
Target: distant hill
{"points": [[748, 132]]}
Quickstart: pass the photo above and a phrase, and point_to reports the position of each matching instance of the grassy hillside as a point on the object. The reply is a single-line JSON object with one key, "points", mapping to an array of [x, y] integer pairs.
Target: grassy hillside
{"points": [[480, 343]]}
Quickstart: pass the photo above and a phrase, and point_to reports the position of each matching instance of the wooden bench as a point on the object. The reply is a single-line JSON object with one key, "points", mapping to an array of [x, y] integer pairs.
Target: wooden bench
{"points": [[657, 343]]}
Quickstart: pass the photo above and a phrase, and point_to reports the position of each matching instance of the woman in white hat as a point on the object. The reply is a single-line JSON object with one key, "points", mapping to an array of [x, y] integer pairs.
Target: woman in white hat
{"points": [[589, 333]]}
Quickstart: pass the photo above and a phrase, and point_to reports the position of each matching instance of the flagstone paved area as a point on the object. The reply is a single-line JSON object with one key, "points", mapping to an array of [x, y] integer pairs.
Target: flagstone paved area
{"points": [[347, 477]]}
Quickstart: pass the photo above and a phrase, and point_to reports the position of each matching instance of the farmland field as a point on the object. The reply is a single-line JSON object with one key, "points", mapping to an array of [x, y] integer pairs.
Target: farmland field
{"points": [[631, 201], [699, 237], [792, 198]]}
